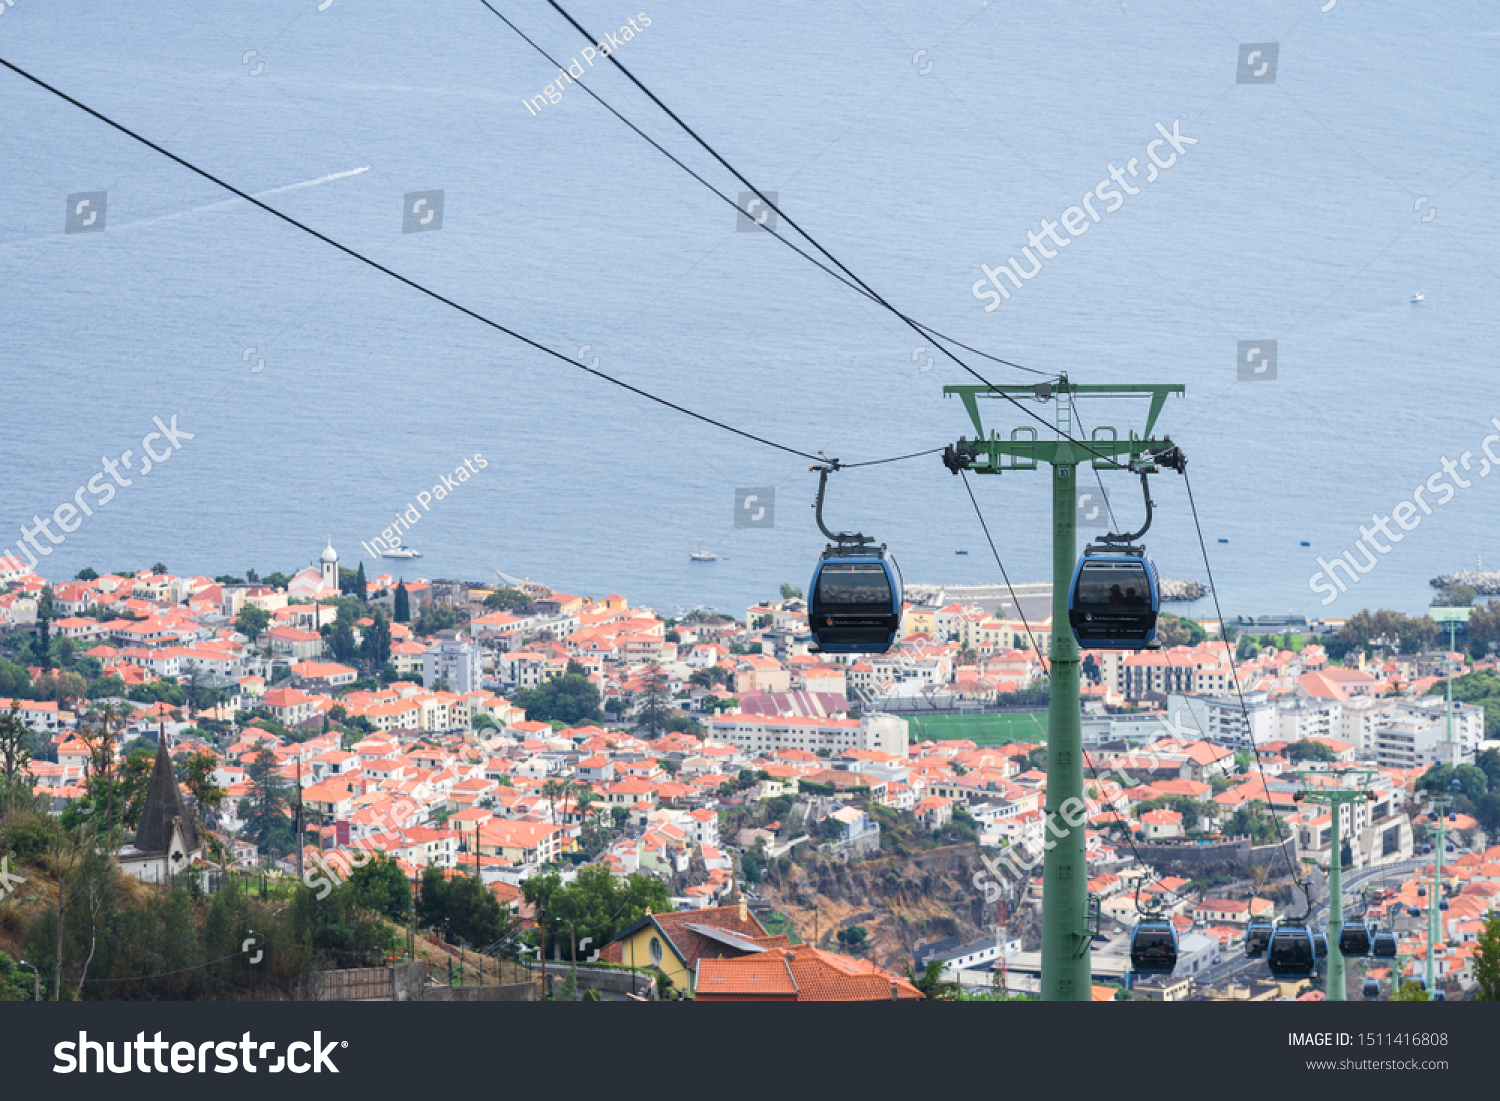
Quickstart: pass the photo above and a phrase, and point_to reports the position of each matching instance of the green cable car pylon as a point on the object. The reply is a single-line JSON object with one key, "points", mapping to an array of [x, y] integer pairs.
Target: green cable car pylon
{"points": [[1069, 921]]}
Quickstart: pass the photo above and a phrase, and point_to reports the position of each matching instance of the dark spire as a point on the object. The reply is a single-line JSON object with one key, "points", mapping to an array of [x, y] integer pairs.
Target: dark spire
{"points": [[163, 807]]}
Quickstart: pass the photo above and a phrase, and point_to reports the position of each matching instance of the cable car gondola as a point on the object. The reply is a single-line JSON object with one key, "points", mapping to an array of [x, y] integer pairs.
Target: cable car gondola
{"points": [[1421, 892], [1153, 947], [1320, 944], [1257, 938], [1291, 953], [1383, 947], [1115, 596], [854, 598], [1371, 989], [1114, 599], [1354, 939], [1443, 905]]}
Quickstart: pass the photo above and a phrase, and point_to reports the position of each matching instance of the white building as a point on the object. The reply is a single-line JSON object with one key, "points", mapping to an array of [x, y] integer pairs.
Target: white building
{"points": [[763, 735], [1235, 726], [456, 662], [1300, 717]]}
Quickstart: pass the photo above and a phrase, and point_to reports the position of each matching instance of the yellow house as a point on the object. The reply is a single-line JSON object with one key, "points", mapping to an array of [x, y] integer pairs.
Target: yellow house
{"points": [[918, 621], [674, 943]]}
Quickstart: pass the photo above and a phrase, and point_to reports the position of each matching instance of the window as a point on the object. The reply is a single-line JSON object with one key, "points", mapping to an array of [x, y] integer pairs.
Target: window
{"points": [[655, 949]]}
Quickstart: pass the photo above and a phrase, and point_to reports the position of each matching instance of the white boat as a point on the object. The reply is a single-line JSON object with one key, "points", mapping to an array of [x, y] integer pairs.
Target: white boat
{"points": [[701, 555], [1419, 297], [403, 551]]}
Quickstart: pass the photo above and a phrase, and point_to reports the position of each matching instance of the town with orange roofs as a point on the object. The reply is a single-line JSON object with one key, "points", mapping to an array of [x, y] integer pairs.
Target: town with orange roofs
{"points": [[470, 791]]}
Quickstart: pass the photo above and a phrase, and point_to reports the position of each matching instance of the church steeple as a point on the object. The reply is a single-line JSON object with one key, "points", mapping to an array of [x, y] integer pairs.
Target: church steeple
{"points": [[164, 809], [329, 563]]}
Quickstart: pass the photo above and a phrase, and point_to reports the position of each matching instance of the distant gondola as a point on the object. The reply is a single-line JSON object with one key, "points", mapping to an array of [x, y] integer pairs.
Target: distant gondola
{"points": [[1384, 947], [1291, 953], [1153, 947], [1371, 989], [1257, 938], [1354, 939]]}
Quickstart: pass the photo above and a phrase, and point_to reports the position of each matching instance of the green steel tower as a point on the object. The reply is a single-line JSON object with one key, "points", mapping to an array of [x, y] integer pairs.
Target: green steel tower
{"points": [[1067, 914], [1335, 799]]}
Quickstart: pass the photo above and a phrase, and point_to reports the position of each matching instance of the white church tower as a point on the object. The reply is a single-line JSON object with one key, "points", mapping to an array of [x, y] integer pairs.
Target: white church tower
{"points": [[330, 564]]}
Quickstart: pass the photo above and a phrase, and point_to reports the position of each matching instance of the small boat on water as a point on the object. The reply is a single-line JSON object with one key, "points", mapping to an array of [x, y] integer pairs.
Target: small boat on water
{"points": [[701, 555], [960, 552], [403, 551], [1418, 297]]}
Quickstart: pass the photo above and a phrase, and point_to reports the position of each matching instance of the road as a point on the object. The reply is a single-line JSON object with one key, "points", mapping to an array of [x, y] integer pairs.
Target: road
{"points": [[1236, 966]]}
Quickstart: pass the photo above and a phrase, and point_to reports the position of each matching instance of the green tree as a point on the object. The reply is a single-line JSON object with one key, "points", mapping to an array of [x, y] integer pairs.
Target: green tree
{"points": [[594, 903], [15, 743], [339, 639], [1454, 596], [88, 573], [570, 698], [361, 585], [853, 937], [1410, 991], [506, 600], [402, 610], [464, 910], [268, 823], [252, 621], [1309, 750], [438, 617], [790, 591], [375, 648], [1487, 961], [1172, 630], [932, 984], [1389, 629], [15, 681], [656, 702], [1472, 781], [196, 773], [381, 885]]}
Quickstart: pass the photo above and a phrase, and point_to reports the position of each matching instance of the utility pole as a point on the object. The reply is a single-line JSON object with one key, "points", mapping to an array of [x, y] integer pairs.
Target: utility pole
{"points": [[1066, 910], [1335, 799]]}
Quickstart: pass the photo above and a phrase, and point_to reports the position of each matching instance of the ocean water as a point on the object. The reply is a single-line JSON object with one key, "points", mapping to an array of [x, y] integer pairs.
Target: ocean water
{"points": [[1308, 213]]}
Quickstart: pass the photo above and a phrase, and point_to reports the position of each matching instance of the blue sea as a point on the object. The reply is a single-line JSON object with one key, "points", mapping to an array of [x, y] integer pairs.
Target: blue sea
{"points": [[1345, 167]]}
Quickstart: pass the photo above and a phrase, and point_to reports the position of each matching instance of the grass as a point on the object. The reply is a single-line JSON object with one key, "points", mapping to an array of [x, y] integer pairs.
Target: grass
{"points": [[982, 730]]}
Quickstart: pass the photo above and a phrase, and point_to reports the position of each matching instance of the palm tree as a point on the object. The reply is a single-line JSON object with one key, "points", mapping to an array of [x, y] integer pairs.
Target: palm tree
{"points": [[931, 982], [552, 791]]}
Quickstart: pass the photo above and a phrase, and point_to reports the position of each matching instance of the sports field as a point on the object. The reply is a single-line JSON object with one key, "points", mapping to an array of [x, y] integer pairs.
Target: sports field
{"points": [[986, 730]]}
